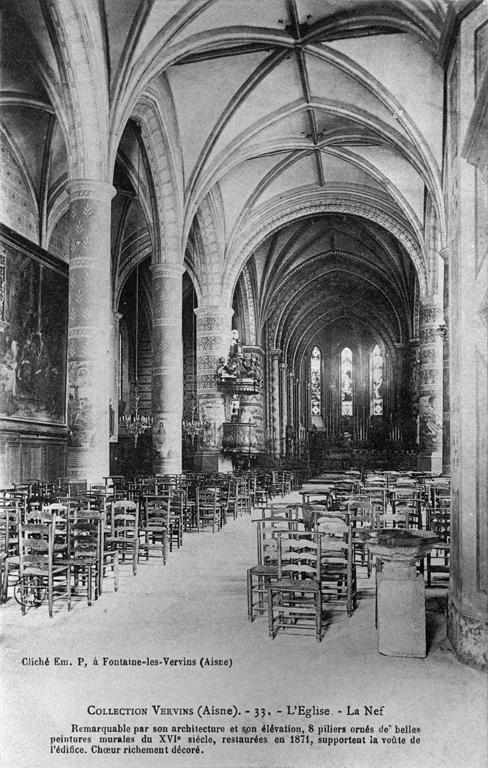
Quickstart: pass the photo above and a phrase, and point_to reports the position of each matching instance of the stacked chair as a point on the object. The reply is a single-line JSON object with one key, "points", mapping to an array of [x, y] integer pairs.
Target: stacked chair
{"points": [[275, 520], [439, 521]]}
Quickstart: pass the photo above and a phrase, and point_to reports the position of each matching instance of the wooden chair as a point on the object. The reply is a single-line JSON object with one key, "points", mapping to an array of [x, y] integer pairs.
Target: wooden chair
{"points": [[123, 530], [208, 509], [41, 571], [154, 532], [408, 499], [86, 551], [338, 569], [295, 598], [439, 521], [260, 489], [9, 540], [258, 577], [177, 516], [361, 516], [398, 517], [190, 521], [239, 497]]}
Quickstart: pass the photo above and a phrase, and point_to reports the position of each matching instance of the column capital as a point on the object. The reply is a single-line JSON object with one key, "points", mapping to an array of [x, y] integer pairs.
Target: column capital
{"points": [[276, 353], [78, 189], [214, 310], [166, 269]]}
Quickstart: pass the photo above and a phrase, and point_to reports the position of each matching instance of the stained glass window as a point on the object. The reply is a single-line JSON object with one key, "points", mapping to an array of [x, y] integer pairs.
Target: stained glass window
{"points": [[377, 373], [346, 378], [315, 382]]}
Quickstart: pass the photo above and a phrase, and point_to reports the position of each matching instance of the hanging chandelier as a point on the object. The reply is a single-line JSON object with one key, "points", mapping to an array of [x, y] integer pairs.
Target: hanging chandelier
{"points": [[135, 423], [193, 428]]}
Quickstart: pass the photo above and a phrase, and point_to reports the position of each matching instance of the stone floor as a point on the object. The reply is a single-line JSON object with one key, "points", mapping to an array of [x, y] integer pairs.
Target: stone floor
{"points": [[334, 704]]}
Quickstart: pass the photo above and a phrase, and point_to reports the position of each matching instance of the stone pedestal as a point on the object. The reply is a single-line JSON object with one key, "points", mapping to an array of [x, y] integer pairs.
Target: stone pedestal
{"points": [[211, 460], [401, 612], [400, 590]]}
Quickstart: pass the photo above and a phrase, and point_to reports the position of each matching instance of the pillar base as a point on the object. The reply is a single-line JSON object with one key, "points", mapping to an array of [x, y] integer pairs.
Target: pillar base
{"points": [[469, 636], [211, 460], [88, 465], [430, 462]]}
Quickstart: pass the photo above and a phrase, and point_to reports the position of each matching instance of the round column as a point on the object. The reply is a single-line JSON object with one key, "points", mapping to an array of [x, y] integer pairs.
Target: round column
{"points": [[275, 399], [291, 414], [410, 408], [167, 368], [284, 407], [401, 391], [89, 330], [115, 367], [430, 386], [446, 443], [214, 331]]}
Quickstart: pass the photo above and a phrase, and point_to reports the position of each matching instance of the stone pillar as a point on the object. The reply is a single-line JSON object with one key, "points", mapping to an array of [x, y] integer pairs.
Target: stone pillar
{"points": [[308, 416], [401, 390], [430, 386], [291, 414], [115, 367], [410, 407], [291, 398], [446, 442], [214, 330], [89, 330], [275, 399], [298, 401], [298, 416], [167, 368], [284, 406], [466, 208]]}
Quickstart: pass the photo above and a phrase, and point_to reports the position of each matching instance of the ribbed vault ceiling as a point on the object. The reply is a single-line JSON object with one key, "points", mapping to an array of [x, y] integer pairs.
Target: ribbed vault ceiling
{"points": [[254, 103], [317, 272]]}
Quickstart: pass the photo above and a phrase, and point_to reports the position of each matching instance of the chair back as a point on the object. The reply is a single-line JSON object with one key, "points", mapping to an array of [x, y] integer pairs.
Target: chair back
{"points": [[85, 538], [36, 543], [299, 556], [124, 519]]}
